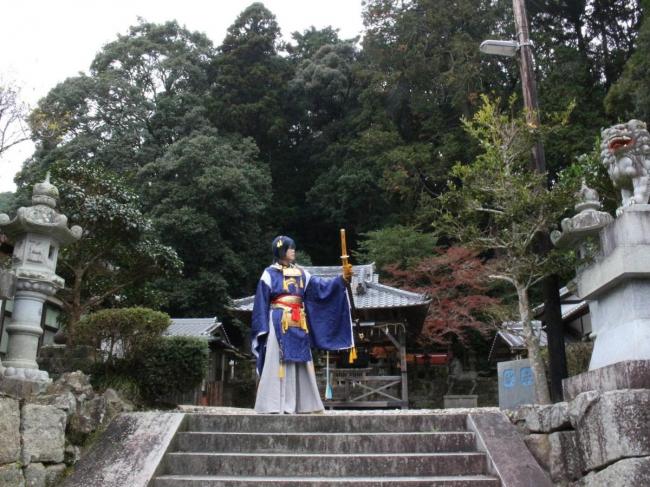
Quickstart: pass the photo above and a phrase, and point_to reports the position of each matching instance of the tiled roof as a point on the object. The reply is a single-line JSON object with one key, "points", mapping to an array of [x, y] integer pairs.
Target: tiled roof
{"points": [[193, 327], [366, 290], [512, 334], [571, 305]]}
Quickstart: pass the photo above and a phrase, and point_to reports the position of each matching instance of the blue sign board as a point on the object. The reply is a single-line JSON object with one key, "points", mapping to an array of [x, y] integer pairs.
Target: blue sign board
{"points": [[516, 383]]}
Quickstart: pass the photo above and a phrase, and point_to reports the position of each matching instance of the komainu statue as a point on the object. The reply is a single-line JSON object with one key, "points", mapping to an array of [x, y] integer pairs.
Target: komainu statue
{"points": [[625, 151]]}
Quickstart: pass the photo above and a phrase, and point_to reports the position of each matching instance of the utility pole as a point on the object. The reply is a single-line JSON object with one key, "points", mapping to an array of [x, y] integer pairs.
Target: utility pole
{"points": [[550, 285]]}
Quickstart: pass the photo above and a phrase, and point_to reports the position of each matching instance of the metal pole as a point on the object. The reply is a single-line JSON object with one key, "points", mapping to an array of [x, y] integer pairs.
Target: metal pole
{"points": [[550, 285]]}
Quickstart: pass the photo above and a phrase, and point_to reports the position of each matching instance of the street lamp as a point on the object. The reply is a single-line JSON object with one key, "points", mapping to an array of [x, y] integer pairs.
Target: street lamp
{"points": [[500, 48]]}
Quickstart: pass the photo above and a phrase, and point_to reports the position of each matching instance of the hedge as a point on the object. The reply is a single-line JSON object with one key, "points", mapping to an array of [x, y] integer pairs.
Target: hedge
{"points": [[171, 365]]}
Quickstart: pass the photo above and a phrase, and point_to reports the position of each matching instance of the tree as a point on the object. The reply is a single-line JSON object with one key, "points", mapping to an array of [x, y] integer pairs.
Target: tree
{"points": [[428, 67], [497, 205], [7, 202], [144, 91], [603, 31], [118, 253], [456, 278], [247, 95], [400, 246], [209, 196], [325, 81], [13, 115], [580, 49], [308, 42], [629, 96]]}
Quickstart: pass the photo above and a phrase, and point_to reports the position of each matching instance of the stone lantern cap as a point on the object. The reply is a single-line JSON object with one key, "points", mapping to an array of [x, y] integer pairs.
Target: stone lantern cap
{"points": [[41, 218], [586, 223]]}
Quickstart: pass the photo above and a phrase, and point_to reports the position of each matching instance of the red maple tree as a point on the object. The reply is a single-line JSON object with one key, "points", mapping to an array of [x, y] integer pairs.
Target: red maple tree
{"points": [[456, 279]]}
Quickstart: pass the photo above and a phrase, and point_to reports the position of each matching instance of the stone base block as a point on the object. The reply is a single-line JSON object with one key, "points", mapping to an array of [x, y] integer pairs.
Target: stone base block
{"points": [[630, 374], [540, 447], [9, 430], [565, 462], [11, 476], [631, 471], [460, 401], [21, 388], [611, 426], [43, 429], [39, 475], [544, 418]]}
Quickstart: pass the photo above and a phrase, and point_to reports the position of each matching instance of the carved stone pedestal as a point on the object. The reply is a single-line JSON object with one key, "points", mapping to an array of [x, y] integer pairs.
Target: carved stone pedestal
{"points": [[617, 286]]}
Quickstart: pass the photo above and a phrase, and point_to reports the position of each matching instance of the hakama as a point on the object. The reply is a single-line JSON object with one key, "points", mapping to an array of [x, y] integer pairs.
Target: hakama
{"points": [[296, 392]]}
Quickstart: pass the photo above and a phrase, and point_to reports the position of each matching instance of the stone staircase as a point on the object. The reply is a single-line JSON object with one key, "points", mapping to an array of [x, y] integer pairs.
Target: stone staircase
{"points": [[333, 449]]}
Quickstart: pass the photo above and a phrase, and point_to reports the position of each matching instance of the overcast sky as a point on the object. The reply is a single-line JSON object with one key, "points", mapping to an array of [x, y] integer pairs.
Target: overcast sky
{"points": [[42, 42]]}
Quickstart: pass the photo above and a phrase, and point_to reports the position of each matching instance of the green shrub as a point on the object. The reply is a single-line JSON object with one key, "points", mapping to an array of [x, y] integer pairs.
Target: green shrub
{"points": [[119, 376], [171, 365], [578, 355], [121, 332]]}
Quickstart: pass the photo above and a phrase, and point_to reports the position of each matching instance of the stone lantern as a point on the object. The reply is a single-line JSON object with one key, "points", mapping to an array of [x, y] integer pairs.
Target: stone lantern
{"points": [[38, 231]]}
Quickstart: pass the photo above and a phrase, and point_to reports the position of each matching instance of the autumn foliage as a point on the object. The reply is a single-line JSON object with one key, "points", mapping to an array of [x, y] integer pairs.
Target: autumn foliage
{"points": [[456, 280]]}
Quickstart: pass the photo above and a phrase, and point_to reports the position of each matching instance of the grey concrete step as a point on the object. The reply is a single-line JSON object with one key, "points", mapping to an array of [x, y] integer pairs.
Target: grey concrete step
{"points": [[355, 423], [324, 465], [223, 481], [325, 442]]}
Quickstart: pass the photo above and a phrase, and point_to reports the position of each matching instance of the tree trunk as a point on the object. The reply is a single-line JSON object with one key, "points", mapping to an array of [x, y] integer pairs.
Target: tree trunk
{"points": [[74, 308], [532, 344]]}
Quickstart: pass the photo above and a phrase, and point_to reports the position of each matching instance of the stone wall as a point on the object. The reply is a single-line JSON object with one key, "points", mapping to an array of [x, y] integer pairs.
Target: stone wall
{"points": [[596, 439], [43, 427]]}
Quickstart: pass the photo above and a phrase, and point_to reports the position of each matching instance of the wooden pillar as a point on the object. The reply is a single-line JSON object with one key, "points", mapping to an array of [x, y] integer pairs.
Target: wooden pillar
{"points": [[223, 366], [401, 349], [402, 354]]}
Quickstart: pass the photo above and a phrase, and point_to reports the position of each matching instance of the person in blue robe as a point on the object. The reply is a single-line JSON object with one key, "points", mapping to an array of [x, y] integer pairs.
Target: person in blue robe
{"points": [[293, 312]]}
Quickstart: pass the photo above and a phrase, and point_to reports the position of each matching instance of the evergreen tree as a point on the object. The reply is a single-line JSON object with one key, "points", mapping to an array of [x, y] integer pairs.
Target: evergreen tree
{"points": [[143, 92], [629, 96], [118, 254], [248, 92], [209, 197]]}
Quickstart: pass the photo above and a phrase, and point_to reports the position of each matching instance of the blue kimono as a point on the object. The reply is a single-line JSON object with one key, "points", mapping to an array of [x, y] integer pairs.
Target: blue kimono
{"points": [[306, 311]]}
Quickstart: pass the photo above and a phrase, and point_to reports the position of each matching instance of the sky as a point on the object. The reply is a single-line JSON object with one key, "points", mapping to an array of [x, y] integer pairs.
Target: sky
{"points": [[42, 42]]}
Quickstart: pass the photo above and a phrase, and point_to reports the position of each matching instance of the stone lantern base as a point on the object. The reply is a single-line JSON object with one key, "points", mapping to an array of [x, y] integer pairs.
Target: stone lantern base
{"points": [[18, 373]]}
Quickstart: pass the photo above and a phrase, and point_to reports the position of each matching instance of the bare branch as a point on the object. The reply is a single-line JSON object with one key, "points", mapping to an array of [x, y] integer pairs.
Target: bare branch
{"points": [[489, 210], [13, 113], [501, 277]]}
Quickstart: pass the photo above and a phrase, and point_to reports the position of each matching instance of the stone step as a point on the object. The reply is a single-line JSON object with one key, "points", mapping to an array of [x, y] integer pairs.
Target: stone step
{"points": [[355, 423], [224, 481], [325, 442], [325, 465]]}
